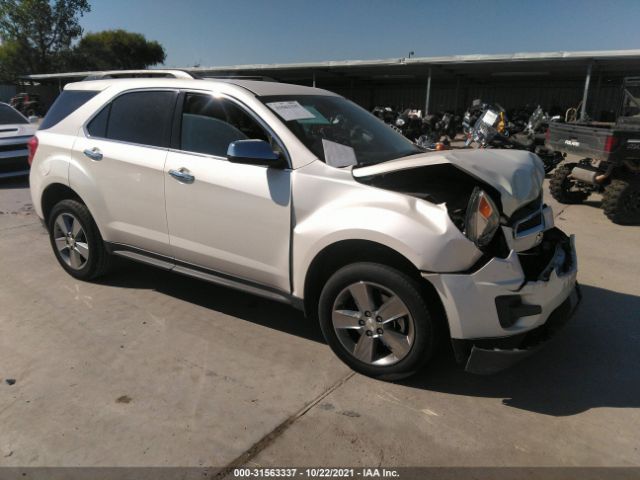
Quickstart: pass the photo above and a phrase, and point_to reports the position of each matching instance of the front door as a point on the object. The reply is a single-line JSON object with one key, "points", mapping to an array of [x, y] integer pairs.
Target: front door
{"points": [[230, 218]]}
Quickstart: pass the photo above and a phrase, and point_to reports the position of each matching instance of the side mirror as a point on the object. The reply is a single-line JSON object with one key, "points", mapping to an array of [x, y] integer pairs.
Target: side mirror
{"points": [[253, 152], [33, 119]]}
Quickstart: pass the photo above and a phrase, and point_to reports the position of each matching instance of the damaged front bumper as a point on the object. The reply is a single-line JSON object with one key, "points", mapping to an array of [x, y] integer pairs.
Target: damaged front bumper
{"points": [[491, 355], [511, 306]]}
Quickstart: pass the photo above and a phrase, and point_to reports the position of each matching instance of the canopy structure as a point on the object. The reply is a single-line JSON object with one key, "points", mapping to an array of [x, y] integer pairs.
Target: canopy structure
{"points": [[590, 80]]}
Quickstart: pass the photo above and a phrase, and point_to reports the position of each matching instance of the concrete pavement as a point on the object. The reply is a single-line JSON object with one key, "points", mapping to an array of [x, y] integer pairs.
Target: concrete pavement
{"points": [[151, 368]]}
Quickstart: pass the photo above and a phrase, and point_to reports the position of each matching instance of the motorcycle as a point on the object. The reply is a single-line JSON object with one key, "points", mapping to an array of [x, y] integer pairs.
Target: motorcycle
{"points": [[519, 118], [386, 114], [427, 142], [490, 131], [471, 116], [27, 104], [410, 123], [535, 136]]}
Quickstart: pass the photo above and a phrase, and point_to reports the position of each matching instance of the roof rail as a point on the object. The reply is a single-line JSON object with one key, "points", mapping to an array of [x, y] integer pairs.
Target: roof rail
{"points": [[262, 78], [174, 73]]}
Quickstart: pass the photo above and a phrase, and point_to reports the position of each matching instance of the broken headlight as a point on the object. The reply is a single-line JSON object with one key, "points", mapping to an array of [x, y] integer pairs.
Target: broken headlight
{"points": [[482, 218]]}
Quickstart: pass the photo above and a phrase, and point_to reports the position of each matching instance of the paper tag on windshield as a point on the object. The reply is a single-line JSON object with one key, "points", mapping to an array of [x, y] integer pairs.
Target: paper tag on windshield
{"points": [[338, 155], [489, 117], [290, 110]]}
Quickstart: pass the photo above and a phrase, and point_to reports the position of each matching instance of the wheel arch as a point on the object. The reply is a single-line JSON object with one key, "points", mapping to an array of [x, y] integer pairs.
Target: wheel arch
{"points": [[344, 252], [55, 193]]}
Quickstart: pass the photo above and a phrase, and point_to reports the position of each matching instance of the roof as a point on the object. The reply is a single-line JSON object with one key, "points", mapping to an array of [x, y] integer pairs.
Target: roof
{"points": [[441, 60], [476, 66]]}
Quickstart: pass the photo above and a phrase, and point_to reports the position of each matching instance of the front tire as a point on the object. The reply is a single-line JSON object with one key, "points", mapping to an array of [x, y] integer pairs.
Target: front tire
{"points": [[621, 201], [76, 241], [375, 319], [562, 187]]}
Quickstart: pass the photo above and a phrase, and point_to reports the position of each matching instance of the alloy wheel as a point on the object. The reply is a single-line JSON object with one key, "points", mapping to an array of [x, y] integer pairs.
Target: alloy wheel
{"points": [[71, 241], [373, 324]]}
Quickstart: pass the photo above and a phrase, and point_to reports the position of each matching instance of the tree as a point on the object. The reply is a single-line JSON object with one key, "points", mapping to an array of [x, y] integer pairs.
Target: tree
{"points": [[116, 49], [37, 34]]}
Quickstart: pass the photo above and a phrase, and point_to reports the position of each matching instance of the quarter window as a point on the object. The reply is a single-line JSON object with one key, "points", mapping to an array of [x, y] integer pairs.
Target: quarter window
{"points": [[66, 103], [209, 125], [137, 117]]}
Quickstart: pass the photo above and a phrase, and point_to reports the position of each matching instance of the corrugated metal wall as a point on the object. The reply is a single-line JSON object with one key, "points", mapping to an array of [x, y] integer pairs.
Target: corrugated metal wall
{"points": [[6, 92], [555, 95]]}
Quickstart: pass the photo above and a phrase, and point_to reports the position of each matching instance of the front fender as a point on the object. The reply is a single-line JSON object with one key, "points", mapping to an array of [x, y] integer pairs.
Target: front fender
{"points": [[328, 212]]}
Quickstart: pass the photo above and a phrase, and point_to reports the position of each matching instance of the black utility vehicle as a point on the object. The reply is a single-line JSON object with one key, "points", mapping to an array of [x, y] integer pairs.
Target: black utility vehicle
{"points": [[611, 162]]}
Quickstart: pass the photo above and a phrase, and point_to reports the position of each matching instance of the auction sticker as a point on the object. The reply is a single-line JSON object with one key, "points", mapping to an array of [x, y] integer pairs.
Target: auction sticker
{"points": [[290, 110]]}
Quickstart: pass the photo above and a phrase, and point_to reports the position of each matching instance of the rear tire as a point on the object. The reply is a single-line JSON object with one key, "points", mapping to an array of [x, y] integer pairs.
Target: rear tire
{"points": [[76, 241], [388, 335], [621, 201], [560, 186]]}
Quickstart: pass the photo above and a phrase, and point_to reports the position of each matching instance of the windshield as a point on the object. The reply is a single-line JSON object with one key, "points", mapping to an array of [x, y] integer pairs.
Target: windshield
{"points": [[338, 131], [9, 116]]}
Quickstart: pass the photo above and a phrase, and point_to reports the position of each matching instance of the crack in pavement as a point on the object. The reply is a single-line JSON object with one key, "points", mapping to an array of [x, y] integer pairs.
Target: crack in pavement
{"points": [[274, 434], [561, 211]]}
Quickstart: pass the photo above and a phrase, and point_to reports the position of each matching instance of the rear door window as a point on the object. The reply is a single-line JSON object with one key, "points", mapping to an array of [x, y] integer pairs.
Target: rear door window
{"points": [[66, 103], [142, 118]]}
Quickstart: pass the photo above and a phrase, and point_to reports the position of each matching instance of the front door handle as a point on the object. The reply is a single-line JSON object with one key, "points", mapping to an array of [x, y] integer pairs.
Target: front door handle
{"points": [[182, 175], [93, 153]]}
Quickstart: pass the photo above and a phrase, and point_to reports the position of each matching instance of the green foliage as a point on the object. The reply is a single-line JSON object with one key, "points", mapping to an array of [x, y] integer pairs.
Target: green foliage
{"points": [[40, 36], [37, 34], [10, 60], [116, 49]]}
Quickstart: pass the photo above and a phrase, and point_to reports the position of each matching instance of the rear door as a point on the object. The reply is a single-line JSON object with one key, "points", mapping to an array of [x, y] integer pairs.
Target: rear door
{"points": [[119, 161]]}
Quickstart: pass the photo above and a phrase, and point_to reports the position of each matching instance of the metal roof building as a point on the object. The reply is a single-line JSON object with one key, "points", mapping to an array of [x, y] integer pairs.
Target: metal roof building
{"points": [[556, 80]]}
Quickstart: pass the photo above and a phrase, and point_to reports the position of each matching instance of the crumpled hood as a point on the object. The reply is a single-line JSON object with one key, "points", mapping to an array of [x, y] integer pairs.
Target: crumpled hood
{"points": [[17, 130], [516, 174]]}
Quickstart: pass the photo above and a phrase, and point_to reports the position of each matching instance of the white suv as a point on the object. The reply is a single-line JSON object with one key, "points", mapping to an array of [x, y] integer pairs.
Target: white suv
{"points": [[299, 195]]}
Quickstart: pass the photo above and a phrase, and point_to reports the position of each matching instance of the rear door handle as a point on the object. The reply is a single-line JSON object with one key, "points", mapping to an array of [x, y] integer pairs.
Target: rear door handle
{"points": [[93, 153], [182, 175]]}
